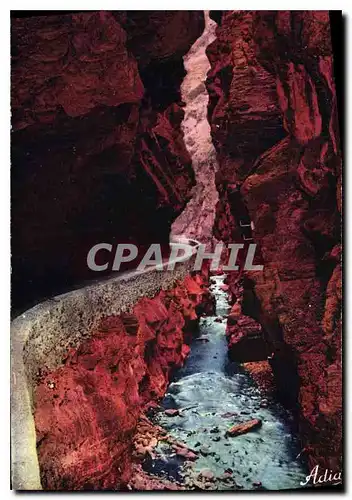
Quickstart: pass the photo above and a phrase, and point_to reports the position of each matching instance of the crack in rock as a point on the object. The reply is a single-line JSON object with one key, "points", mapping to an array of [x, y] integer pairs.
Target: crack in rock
{"points": [[197, 219]]}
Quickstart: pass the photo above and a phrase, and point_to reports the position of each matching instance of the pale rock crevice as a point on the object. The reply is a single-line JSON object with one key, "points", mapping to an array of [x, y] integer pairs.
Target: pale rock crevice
{"points": [[197, 219]]}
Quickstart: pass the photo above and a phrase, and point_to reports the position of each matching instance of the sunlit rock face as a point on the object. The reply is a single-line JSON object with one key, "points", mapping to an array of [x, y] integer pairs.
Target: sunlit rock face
{"points": [[97, 148], [197, 220], [274, 125]]}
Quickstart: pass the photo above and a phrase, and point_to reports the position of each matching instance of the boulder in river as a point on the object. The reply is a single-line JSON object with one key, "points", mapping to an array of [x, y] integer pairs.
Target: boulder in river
{"points": [[186, 453], [207, 474], [205, 451], [172, 412], [229, 414], [239, 429], [202, 339]]}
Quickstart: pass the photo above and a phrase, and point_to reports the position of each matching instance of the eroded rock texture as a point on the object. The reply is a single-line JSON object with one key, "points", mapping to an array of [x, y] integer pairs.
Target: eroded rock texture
{"points": [[87, 411], [274, 124], [97, 150]]}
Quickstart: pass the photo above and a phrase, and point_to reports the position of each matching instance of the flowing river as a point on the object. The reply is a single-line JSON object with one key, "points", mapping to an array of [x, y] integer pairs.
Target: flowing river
{"points": [[212, 394]]}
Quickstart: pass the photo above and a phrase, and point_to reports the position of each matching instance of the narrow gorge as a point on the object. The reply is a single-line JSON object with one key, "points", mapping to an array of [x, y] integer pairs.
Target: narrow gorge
{"points": [[140, 127]]}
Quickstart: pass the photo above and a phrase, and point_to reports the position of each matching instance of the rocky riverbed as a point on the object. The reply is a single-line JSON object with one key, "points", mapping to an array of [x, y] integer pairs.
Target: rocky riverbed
{"points": [[205, 446]]}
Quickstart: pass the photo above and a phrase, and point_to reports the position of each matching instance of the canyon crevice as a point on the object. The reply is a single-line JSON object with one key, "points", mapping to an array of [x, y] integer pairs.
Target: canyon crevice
{"points": [[197, 219]]}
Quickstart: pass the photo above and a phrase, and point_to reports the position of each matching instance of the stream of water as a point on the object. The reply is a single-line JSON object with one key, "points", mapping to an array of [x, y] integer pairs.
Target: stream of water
{"points": [[212, 394]]}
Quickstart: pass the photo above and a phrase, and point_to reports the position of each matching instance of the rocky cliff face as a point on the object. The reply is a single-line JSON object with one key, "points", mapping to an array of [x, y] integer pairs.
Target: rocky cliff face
{"points": [[274, 124], [97, 150], [87, 411]]}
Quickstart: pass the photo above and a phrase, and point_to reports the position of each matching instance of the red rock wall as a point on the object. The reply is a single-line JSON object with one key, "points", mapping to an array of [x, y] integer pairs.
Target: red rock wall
{"points": [[97, 151], [86, 412], [274, 123]]}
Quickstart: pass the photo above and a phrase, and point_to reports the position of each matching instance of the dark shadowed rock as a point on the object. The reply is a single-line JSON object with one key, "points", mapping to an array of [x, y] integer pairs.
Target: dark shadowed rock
{"points": [[95, 155]]}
